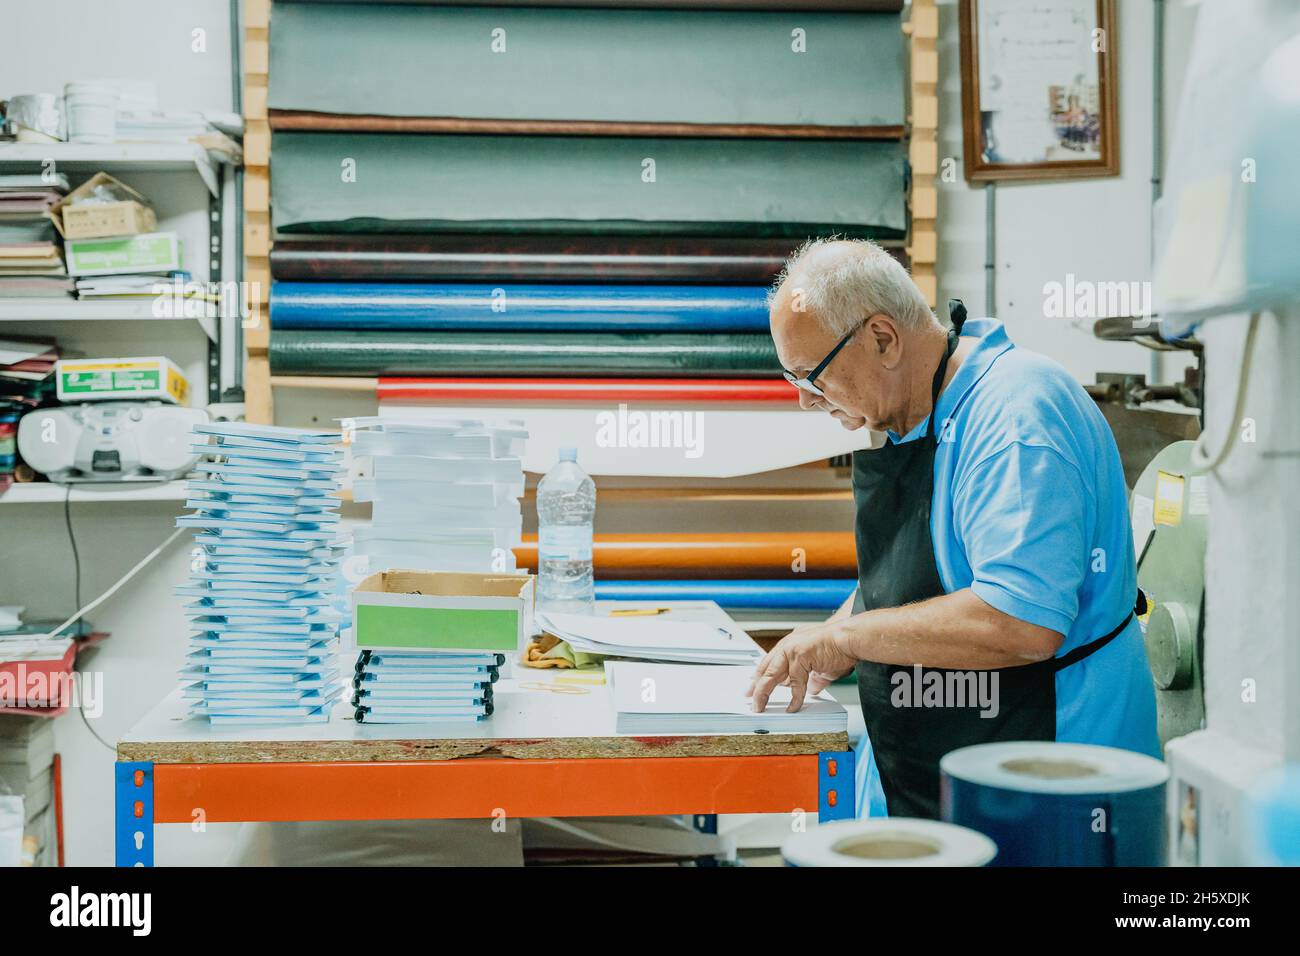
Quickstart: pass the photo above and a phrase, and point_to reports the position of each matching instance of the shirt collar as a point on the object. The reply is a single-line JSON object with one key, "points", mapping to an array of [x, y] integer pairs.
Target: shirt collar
{"points": [[993, 341]]}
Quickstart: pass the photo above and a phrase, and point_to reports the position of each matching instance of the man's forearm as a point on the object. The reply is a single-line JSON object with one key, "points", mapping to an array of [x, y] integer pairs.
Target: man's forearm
{"points": [[955, 630]]}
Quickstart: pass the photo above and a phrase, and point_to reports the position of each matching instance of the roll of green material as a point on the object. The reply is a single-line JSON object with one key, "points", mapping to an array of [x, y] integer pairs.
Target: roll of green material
{"points": [[341, 182], [366, 354], [615, 65]]}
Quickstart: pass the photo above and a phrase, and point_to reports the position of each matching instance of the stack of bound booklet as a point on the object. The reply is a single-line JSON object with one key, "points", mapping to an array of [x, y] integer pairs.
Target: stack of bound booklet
{"points": [[264, 647], [417, 687]]}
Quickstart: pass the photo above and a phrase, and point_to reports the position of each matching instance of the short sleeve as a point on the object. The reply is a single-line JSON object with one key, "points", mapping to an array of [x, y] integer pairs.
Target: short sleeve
{"points": [[1019, 515]]}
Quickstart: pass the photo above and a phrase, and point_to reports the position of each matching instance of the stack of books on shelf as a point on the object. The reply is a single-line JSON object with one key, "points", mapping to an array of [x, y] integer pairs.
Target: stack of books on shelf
{"points": [[31, 262], [26, 382], [27, 772]]}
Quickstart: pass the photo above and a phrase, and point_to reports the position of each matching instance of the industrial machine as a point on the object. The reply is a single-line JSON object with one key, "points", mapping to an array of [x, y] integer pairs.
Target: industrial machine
{"points": [[1169, 509]]}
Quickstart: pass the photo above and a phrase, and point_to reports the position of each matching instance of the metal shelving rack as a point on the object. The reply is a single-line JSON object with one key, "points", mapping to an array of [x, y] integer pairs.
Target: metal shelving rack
{"points": [[123, 158]]}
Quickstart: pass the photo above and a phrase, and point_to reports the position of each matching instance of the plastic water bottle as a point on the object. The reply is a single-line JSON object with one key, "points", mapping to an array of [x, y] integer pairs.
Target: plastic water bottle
{"points": [[566, 511]]}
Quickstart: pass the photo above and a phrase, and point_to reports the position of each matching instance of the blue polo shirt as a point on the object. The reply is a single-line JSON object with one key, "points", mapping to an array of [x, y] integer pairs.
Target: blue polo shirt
{"points": [[1030, 511]]}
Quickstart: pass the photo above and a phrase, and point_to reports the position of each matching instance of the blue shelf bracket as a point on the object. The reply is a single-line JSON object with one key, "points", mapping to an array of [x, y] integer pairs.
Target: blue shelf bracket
{"points": [[835, 796], [133, 813]]}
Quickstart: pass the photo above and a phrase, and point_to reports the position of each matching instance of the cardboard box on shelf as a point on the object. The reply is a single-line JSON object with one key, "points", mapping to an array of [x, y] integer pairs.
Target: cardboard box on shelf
{"points": [[77, 219], [124, 255], [155, 377]]}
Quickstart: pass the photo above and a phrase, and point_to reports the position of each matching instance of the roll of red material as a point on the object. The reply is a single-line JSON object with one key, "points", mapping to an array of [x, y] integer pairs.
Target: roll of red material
{"points": [[604, 390]]}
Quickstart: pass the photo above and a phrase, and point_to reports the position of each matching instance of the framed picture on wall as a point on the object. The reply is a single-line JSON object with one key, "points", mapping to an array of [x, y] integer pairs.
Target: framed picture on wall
{"points": [[1038, 89]]}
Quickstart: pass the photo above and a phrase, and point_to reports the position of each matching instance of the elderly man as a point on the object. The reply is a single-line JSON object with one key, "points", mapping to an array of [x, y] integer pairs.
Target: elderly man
{"points": [[997, 586]]}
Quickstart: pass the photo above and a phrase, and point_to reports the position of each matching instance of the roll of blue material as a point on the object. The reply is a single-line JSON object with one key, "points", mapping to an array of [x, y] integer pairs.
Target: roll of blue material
{"points": [[822, 595], [454, 306], [1059, 804]]}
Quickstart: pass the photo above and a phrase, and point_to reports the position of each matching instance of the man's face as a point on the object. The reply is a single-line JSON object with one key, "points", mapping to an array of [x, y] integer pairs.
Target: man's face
{"points": [[858, 384]]}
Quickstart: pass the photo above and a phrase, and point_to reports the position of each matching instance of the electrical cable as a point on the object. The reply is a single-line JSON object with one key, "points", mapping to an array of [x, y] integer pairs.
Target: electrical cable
{"points": [[116, 587], [72, 540], [82, 611], [1200, 459]]}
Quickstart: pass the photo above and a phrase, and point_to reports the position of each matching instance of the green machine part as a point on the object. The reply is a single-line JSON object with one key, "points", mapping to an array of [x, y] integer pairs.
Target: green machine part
{"points": [[1169, 508]]}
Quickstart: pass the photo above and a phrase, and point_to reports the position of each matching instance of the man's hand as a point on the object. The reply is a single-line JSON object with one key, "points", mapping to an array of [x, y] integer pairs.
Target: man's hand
{"points": [[808, 658]]}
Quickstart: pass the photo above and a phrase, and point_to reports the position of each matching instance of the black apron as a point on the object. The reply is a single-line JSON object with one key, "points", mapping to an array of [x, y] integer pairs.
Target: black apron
{"points": [[892, 489]]}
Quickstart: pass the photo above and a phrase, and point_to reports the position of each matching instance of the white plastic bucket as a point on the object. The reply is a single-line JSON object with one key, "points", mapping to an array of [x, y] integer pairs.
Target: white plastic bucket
{"points": [[92, 112]]}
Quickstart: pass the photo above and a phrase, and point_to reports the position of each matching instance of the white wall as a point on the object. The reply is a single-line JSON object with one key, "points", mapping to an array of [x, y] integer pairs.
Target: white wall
{"points": [[1099, 230], [52, 42]]}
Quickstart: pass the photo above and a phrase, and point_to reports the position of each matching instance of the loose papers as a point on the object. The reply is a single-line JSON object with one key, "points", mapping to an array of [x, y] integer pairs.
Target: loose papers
{"points": [[700, 699], [652, 638]]}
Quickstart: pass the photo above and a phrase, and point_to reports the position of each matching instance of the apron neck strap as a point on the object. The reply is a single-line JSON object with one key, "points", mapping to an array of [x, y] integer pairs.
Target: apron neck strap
{"points": [[957, 313]]}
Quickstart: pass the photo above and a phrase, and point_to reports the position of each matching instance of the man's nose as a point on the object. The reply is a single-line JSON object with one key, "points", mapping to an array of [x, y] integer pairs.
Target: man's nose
{"points": [[807, 399]]}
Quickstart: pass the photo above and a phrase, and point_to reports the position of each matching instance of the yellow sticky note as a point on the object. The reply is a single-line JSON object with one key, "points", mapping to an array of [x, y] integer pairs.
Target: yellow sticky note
{"points": [[1169, 498]]}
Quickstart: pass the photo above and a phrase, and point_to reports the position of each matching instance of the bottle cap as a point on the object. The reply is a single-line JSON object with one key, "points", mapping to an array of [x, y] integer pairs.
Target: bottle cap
{"points": [[568, 454]]}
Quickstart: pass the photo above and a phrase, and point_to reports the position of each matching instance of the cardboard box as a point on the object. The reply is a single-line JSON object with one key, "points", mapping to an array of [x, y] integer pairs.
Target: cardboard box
{"points": [[88, 380], [125, 217], [442, 610], [123, 255]]}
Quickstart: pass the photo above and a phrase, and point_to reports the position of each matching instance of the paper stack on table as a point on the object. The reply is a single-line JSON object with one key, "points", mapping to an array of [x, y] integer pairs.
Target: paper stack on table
{"points": [[445, 496], [702, 699], [445, 492], [652, 638], [417, 687], [266, 521]]}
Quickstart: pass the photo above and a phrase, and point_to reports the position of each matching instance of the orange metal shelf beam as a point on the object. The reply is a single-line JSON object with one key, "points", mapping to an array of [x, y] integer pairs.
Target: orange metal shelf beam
{"points": [[482, 787]]}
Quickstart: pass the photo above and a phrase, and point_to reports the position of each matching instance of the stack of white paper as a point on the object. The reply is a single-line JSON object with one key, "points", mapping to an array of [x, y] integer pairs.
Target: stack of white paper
{"points": [[445, 494], [266, 522], [417, 687], [652, 638], [701, 699]]}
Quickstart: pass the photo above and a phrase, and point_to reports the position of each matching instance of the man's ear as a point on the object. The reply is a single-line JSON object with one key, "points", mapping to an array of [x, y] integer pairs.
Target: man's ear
{"points": [[884, 335]]}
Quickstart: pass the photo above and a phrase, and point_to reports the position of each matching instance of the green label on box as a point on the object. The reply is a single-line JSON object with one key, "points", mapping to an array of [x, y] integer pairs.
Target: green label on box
{"points": [[110, 380], [459, 629], [147, 253]]}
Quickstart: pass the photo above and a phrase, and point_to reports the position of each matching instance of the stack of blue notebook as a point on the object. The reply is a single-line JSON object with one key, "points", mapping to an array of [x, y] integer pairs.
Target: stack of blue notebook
{"points": [[418, 687], [264, 647]]}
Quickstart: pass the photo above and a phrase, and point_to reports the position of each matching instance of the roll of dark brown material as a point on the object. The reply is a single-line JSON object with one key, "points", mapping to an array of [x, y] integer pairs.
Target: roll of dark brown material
{"points": [[530, 258]]}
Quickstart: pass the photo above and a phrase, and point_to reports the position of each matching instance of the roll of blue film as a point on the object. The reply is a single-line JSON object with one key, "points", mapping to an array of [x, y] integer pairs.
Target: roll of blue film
{"points": [[888, 842], [1059, 804]]}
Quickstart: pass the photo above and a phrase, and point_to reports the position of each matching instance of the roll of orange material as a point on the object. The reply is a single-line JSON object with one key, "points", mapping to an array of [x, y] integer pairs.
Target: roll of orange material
{"points": [[811, 554]]}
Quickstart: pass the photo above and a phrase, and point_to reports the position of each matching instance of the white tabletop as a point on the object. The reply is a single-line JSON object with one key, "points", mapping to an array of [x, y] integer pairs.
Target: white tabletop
{"points": [[530, 720]]}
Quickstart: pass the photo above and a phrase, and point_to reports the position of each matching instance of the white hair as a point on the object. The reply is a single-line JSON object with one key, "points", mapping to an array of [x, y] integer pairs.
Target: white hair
{"points": [[844, 289]]}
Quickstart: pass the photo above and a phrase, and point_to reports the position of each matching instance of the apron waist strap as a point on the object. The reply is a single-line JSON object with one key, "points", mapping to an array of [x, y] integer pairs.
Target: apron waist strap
{"points": [[1092, 647]]}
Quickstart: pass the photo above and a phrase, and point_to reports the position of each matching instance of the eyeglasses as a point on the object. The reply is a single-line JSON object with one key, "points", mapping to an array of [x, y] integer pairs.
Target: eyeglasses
{"points": [[808, 382]]}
